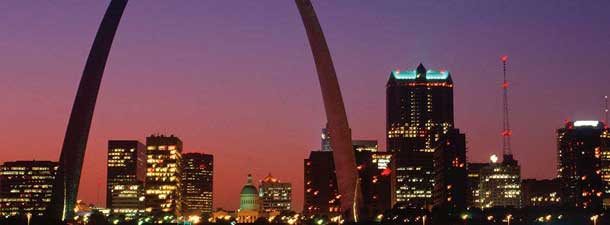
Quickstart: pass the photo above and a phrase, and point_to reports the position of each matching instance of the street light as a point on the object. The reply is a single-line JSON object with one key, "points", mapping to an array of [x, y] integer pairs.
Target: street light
{"points": [[29, 216], [594, 219], [465, 217], [508, 217]]}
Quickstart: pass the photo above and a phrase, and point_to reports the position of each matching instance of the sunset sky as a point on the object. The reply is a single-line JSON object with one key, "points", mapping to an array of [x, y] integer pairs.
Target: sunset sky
{"points": [[236, 78]]}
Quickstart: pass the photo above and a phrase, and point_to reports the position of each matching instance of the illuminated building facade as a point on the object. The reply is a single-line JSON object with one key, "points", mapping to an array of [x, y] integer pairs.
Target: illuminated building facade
{"points": [[376, 174], [249, 203], [474, 179], [275, 196], [163, 196], [126, 173], [540, 193], [419, 110], [365, 145], [583, 150], [451, 177], [197, 183], [500, 184], [26, 187]]}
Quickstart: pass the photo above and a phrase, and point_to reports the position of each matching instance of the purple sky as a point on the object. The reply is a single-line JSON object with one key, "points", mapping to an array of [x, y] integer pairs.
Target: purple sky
{"points": [[236, 78]]}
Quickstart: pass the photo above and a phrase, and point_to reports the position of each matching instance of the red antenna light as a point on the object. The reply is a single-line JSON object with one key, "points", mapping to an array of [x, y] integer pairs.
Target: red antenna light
{"points": [[504, 58]]}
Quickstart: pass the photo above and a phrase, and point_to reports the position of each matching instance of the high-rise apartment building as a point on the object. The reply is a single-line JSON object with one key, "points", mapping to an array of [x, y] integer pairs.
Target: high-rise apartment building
{"points": [[26, 187], [197, 183], [126, 173], [419, 110], [163, 197], [583, 152], [275, 196]]}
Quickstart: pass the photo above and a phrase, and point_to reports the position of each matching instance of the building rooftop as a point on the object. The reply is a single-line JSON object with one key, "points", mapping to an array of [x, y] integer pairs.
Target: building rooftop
{"points": [[421, 72]]}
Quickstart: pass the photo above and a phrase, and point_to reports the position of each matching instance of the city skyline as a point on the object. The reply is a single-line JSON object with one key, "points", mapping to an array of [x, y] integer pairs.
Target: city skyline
{"points": [[204, 125]]}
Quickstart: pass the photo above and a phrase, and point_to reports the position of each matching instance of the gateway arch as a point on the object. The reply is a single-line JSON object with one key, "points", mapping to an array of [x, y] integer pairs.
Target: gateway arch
{"points": [[65, 188]]}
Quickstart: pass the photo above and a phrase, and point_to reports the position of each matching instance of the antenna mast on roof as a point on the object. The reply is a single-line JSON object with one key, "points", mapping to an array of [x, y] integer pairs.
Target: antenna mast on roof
{"points": [[606, 110], [506, 132]]}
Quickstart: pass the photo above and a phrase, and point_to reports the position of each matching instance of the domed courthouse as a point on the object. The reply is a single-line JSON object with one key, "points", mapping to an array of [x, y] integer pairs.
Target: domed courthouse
{"points": [[249, 203]]}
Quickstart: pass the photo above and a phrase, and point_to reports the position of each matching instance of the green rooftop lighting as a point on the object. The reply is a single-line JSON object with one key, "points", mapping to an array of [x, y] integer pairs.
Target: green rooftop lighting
{"points": [[412, 74]]}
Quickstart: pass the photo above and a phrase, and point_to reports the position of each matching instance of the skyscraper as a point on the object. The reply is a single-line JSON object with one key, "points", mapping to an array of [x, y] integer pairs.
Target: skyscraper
{"points": [[500, 184], [26, 187], [320, 185], [163, 196], [197, 183], [583, 151], [276, 196], [419, 109], [450, 183], [376, 175], [126, 173]]}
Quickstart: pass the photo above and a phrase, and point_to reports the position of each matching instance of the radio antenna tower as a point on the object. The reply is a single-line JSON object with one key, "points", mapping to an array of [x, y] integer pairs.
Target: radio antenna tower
{"points": [[506, 132], [606, 110]]}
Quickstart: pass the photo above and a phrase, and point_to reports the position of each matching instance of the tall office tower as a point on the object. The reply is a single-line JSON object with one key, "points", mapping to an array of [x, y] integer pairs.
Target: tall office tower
{"points": [[320, 185], [276, 196], [377, 180], [451, 177], [500, 184], [540, 193], [26, 187], [365, 145], [163, 197], [376, 173], [197, 184], [419, 109], [583, 149], [126, 172], [474, 179]]}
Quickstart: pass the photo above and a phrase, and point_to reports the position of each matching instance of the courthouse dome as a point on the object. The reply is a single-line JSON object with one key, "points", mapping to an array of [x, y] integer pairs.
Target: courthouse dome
{"points": [[249, 188]]}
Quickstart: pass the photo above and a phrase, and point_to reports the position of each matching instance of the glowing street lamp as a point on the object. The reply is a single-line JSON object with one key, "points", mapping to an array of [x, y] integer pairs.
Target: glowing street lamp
{"points": [[465, 218], [508, 217], [29, 216], [594, 219]]}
